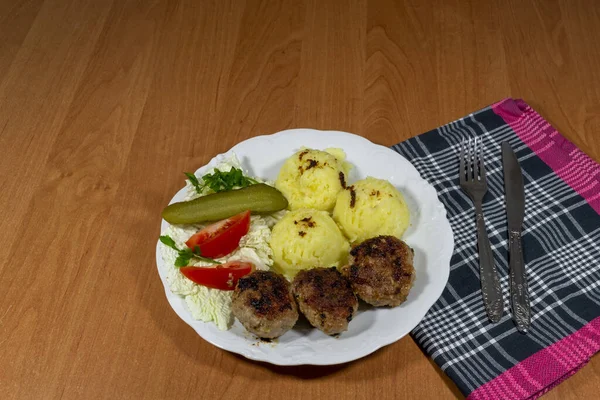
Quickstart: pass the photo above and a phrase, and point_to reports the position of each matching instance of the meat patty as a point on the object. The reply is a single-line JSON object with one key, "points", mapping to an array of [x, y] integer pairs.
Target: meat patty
{"points": [[325, 298], [263, 303], [381, 270]]}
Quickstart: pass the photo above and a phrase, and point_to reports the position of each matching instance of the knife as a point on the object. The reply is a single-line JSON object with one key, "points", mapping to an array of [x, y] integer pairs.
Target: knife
{"points": [[515, 211]]}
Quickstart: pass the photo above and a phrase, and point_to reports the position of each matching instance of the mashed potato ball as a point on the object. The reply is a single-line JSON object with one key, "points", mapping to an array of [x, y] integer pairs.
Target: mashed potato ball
{"points": [[313, 178], [305, 239], [369, 208]]}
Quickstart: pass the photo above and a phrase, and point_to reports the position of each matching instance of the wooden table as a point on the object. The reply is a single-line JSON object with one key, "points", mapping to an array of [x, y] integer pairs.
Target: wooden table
{"points": [[104, 103]]}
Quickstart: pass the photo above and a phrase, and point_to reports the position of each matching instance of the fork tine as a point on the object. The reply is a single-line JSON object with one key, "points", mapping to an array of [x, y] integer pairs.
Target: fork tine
{"points": [[470, 158], [475, 159], [462, 162], [481, 163]]}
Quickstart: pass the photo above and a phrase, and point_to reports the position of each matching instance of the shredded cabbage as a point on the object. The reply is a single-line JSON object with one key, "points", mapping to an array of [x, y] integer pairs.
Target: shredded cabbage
{"points": [[204, 303]]}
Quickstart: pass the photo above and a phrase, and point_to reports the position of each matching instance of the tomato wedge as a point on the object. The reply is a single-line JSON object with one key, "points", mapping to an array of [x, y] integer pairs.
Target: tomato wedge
{"points": [[224, 276], [221, 238]]}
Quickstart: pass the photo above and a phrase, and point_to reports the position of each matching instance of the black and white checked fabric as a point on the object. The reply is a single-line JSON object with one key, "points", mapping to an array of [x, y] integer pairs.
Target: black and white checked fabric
{"points": [[561, 241]]}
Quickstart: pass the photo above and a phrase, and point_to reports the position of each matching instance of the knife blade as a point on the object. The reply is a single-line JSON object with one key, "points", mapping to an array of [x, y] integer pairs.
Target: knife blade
{"points": [[515, 212]]}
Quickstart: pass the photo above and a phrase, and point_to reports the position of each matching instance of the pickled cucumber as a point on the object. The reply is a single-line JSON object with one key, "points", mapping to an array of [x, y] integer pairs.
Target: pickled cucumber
{"points": [[259, 198]]}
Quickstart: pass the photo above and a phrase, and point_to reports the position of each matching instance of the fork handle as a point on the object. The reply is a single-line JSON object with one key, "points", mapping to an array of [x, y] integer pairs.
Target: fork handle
{"points": [[490, 284]]}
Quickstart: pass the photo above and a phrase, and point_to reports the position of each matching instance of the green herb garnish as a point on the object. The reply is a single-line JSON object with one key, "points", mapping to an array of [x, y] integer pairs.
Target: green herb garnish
{"points": [[220, 181], [194, 181], [184, 256]]}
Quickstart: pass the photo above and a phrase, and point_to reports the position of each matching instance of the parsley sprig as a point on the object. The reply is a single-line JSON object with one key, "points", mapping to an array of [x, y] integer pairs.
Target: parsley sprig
{"points": [[194, 181], [220, 181], [184, 256]]}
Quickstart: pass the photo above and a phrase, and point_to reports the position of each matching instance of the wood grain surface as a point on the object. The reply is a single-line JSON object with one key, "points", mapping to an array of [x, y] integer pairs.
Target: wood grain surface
{"points": [[104, 103]]}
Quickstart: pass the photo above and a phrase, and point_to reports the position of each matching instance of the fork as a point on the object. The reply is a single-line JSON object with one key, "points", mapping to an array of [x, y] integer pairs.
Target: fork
{"points": [[474, 183]]}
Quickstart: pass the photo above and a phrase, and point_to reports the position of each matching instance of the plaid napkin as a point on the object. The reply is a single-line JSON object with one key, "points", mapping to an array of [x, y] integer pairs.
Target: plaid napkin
{"points": [[561, 244]]}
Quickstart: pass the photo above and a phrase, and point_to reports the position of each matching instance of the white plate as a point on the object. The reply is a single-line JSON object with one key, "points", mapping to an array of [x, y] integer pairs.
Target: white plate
{"points": [[429, 235]]}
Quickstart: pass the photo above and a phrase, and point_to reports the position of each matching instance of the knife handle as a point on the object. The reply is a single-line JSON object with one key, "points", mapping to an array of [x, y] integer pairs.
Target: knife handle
{"points": [[490, 283], [519, 292]]}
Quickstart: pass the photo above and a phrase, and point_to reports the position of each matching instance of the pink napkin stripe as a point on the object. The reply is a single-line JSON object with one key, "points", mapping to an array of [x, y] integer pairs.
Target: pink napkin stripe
{"points": [[572, 165], [542, 371]]}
